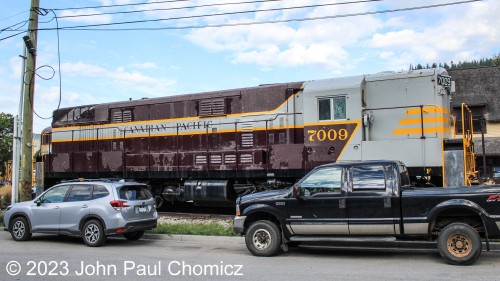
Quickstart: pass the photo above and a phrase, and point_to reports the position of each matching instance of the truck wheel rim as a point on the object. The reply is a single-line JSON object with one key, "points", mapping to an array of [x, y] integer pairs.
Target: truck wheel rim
{"points": [[459, 245], [19, 229], [261, 239], [92, 233]]}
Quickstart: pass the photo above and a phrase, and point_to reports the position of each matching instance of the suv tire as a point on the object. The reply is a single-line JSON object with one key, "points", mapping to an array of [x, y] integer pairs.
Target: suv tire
{"points": [[93, 233], [459, 244], [263, 238], [133, 236], [20, 229]]}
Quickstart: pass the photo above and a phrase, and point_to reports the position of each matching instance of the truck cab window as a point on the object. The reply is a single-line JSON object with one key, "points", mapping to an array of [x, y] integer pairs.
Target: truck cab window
{"points": [[405, 177], [496, 172], [327, 180], [368, 177]]}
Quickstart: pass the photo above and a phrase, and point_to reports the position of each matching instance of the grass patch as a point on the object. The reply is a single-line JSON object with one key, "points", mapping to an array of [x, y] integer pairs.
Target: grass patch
{"points": [[212, 228]]}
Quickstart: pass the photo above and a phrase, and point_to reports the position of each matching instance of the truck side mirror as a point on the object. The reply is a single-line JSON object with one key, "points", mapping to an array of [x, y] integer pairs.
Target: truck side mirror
{"points": [[296, 191]]}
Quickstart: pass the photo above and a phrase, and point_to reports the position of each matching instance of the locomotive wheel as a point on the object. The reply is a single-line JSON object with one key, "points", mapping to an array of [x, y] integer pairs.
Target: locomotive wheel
{"points": [[159, 202], [459, 244], [263, 238]]}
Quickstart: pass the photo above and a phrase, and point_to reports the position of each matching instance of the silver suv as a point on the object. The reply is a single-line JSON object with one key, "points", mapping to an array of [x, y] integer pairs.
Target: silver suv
{"points": [[88, 209]]}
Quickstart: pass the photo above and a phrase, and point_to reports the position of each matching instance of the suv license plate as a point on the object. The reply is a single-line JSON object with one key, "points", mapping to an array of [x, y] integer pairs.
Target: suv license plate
{"points": [[142, 209]]}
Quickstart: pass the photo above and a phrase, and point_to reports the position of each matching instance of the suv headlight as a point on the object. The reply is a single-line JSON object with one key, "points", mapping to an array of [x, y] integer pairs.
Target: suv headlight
{"points": [[9, 207]]}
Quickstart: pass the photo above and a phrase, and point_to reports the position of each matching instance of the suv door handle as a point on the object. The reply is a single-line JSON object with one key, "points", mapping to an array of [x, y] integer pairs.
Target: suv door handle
{"points": [[85, 206], [56, 207]]}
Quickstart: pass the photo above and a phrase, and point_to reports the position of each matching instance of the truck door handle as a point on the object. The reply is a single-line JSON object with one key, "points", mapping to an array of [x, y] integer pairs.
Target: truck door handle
{"points": [[387, 202], [342, 203]]}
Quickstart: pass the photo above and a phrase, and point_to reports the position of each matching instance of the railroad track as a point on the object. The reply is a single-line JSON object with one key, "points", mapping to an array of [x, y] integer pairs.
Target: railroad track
{"points": [[194, 216]]}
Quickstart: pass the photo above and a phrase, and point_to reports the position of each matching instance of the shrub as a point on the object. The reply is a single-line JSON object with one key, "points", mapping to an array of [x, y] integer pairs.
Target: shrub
{"points": [[5, 195]]}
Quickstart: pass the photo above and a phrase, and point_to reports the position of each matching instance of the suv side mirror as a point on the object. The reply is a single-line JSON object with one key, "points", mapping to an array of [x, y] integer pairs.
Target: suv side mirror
{"points": [[38, 202]]}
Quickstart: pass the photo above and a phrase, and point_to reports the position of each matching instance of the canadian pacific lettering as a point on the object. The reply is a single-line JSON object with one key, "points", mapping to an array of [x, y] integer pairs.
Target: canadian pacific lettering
{"points": [[194, 125]]}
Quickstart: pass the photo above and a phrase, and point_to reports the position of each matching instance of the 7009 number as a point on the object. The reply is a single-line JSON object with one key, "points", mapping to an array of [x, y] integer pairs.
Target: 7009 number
{"points": [[327, 135]]}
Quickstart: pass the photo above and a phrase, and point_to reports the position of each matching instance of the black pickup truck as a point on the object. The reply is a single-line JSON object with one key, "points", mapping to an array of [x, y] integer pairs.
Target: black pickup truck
{"points": [[370, 201]]}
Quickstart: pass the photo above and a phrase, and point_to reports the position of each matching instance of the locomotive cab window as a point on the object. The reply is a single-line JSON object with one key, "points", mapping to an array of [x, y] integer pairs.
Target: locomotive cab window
{"points": [[333, 108]]}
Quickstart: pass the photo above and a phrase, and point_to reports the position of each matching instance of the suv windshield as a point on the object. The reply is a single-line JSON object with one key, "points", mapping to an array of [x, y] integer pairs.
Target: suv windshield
{"points": [[134, 192]]}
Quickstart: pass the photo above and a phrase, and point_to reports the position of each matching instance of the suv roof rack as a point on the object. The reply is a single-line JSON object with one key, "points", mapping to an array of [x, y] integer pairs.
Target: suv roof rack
{"points": [[102, 179]]}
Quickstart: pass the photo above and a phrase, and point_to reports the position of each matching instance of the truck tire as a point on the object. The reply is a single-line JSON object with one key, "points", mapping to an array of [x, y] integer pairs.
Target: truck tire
{"points": [[263, 238], [459, 244], [20, 229]]}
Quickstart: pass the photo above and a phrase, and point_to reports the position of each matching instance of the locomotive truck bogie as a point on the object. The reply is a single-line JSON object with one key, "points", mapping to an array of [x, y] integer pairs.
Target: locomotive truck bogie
{"points": [[209, 147]]}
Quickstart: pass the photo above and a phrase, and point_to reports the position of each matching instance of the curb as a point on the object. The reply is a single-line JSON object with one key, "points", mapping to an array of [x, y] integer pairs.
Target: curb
{"points": [[195, 238]]}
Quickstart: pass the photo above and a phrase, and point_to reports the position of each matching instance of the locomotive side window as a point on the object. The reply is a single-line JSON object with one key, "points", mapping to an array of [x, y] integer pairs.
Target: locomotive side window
{"points": [[332, 108], [324, 109], [46, 138]]}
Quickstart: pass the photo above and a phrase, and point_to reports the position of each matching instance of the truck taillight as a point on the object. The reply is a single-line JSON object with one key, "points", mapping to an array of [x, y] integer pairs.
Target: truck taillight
{"points": [[118, 204]]}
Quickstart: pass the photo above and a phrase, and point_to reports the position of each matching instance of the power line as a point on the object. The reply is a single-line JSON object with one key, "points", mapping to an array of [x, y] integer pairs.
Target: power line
{"points": [[14, 15], [87, 27], [122, 5], [219, 14], [11, 28], [43, 11], [232, 13], [174, 8], [13, 35]]}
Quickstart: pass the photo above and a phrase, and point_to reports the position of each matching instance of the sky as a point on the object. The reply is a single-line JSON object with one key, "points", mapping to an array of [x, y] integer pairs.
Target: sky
{"points": [[101, 66]]}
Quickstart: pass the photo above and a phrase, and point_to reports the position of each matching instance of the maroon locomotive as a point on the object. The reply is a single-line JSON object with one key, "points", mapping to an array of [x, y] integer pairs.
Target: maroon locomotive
{"points": [[209, 147]]}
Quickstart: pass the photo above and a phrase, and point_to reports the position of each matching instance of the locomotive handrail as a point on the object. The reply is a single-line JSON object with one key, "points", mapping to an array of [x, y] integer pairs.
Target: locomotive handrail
{"points": [[421, 112], [468, 146], [401, 107]]}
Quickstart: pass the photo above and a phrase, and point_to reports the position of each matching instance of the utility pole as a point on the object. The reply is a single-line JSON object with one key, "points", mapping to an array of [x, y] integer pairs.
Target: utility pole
{"points": [[16, 141], [26, 178]]}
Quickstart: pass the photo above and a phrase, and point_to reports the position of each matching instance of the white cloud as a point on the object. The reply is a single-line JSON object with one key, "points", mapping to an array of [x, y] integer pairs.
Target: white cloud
{"points": [[82, 69], [120, 77], [440, 34], [322, 43], [145, 65], [469, 32], [386, 55], [15, 66]]}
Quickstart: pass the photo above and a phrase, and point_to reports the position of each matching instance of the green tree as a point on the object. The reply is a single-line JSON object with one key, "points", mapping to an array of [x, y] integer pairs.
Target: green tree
{"points": [[496, 60], [6, 131]]}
